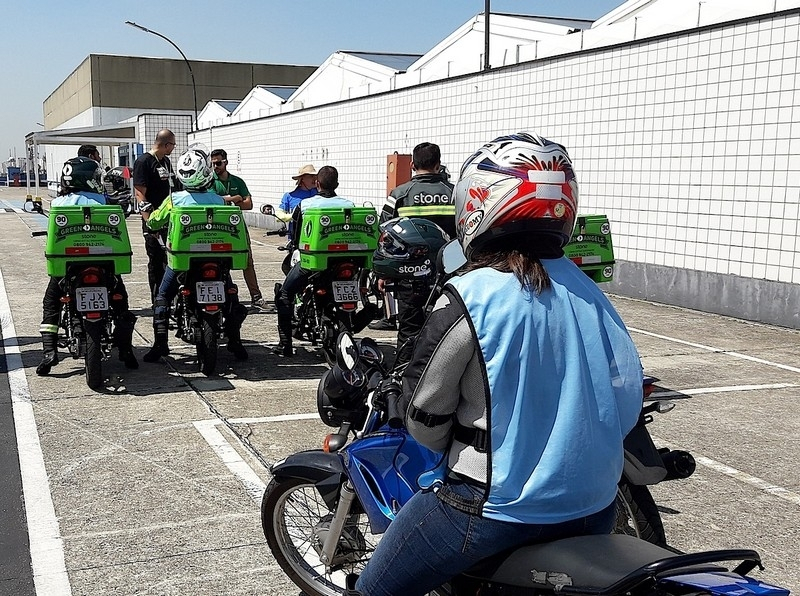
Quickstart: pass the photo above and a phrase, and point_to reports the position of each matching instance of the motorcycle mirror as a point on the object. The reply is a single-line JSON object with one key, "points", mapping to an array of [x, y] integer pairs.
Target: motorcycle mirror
{"points": [[369, 351], [347, 355], [450, 257], [267, 209]]}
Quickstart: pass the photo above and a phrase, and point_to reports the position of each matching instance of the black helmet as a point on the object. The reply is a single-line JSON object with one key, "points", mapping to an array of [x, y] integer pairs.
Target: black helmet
{"points": [[114, 181], [407, 248], [81, 173]]}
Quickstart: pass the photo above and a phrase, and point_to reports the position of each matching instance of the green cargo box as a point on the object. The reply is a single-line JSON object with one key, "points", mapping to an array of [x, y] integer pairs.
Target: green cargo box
{"points": [[591, 248], [82, 234], [206, 231], [330, 233]]}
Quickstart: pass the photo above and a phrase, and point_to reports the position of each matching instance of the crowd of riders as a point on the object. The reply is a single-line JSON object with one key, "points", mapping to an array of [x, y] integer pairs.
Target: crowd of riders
{"points": [[521, 353]]}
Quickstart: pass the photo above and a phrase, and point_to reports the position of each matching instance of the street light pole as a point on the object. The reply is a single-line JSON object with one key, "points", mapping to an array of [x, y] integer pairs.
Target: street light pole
{"points": [[188, 65], [486, 10]]}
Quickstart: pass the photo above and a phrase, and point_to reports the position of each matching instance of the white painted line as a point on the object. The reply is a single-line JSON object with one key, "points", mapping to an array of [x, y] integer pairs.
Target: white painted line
{"points": [[47, 548], [719, 350], [283, 418], [754, 481], [702, 390], [234, 462]]}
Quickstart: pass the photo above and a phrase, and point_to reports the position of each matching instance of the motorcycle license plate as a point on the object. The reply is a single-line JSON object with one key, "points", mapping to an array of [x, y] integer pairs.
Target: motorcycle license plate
{"points": [[345, 291], [91, 299], [211, 292]]}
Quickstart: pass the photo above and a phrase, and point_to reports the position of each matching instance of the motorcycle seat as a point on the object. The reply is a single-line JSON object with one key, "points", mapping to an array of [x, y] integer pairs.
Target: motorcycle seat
{"points": [[592, 563]]}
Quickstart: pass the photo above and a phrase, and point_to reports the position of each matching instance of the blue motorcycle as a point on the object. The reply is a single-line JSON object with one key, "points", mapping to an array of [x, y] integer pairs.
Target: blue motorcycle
{"points": [[324, 511]]}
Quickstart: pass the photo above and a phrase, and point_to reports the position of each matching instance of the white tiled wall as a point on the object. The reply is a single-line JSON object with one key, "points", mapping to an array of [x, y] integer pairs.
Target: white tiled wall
{"points": [[690, 143]]}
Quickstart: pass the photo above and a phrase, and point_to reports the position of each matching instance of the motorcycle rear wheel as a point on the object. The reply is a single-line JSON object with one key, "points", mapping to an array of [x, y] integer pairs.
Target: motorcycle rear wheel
{"points": [[637, 514], [295, 520], [94, 356], [207, 348]]}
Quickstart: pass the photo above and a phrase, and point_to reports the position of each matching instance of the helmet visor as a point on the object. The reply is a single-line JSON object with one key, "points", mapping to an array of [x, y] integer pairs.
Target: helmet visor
{"points": [[396, 248]]}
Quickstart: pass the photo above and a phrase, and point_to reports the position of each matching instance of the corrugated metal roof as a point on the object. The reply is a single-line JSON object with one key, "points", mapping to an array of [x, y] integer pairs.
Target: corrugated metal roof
{"points": [[283, 92], [227, 104], [398, 62]]}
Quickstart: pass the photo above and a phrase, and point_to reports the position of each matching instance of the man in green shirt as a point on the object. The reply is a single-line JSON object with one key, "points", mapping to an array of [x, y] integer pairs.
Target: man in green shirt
{"points": [[235, 192]]}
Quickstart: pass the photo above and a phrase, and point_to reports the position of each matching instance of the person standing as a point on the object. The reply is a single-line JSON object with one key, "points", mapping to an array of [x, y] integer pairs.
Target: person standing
{"points": [[153, 181], [427, 195], [306, 187], [235, 192]]}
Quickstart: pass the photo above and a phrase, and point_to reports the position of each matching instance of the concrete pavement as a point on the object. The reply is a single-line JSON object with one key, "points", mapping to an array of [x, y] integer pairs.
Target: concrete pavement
{"points": [[155, 482]]}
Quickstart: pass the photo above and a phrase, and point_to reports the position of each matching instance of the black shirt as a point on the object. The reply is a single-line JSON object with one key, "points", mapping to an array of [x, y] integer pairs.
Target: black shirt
{"points": [[156, 176]]}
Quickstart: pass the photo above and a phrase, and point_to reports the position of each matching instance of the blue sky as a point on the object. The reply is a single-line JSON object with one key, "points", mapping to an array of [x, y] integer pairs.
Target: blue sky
{"points": [[42, 41]]}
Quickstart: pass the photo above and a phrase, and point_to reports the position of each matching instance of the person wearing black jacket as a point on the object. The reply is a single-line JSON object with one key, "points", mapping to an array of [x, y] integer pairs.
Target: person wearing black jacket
{"points": [[427, 195]]}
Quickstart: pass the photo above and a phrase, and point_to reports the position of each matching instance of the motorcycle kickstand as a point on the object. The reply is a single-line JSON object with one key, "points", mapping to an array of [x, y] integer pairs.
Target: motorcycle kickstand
{"points": [[346, 497]]}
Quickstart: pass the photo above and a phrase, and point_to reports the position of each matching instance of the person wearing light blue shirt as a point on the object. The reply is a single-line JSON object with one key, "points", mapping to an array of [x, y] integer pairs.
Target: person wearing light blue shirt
{"points": [[327, 181]]}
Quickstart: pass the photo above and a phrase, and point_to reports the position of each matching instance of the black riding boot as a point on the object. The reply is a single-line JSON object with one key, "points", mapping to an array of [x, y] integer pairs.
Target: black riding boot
{"points": [[350, 585], [285, 310], [160, 331], [233, 329], [123, 339], [50, 356]]}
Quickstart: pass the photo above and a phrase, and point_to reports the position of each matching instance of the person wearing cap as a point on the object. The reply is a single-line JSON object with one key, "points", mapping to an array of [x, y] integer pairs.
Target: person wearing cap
{"points": [[305, 187], [235, 192]]}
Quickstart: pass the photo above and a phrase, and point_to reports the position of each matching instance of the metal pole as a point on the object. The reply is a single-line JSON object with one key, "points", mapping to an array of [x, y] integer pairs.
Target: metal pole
{"points": [[188, 65], [486, 10]]}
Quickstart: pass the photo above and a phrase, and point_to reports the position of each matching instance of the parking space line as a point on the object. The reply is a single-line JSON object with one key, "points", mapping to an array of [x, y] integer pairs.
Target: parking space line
{"points": [[718, 350], [230, 457], [754, 481], [46, 545], [702, 390]]}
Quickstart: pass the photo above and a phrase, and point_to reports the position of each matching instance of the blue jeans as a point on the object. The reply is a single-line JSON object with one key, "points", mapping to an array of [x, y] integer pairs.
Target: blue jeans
{"points": [[430, 542]]}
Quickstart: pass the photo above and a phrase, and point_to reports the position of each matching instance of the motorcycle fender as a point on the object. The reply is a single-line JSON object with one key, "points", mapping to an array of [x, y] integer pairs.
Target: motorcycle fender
{"points": [[325, 470], [643, 463]]}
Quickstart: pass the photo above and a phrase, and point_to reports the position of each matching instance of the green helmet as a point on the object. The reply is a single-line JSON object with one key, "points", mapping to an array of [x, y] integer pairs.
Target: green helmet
{"points": [[407, 248], [194, 171], [81, 173]]}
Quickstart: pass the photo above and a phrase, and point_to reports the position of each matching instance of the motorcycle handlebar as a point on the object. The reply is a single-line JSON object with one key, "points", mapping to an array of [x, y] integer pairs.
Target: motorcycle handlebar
{"points": [[276, 233]]}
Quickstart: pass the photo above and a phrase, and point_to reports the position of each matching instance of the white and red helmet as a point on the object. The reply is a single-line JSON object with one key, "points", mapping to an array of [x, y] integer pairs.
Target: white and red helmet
{"points": [[517, 184]]}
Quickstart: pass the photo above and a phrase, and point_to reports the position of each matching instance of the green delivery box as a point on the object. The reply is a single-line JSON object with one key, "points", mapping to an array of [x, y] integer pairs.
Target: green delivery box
{"points": [[79, 233], [591, 248], [203, 231], [332, 232]]}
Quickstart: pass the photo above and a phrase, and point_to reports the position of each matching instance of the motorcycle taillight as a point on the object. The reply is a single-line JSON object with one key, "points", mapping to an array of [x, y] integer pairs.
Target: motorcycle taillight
{"points": [[209, 271], [345, 271], [91, 276], [348, 306]]}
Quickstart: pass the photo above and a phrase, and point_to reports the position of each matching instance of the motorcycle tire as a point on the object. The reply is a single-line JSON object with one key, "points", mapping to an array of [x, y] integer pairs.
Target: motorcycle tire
{"points": [[207, 348], [637, 514], [94, 356], [295, 519]]}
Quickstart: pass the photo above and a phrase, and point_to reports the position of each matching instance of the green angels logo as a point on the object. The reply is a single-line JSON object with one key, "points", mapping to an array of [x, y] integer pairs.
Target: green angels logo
{"points": [[362, 228], [113, 231], [187, 231], [591, 238]]}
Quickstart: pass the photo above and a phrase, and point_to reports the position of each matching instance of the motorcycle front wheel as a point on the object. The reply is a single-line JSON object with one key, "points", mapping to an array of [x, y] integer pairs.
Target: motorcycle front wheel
{"points": [[295, 521], [637, 514], [207, 348], [94, 355]]}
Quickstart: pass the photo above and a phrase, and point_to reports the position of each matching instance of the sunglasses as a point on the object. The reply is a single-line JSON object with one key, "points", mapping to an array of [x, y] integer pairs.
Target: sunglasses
{"points": [[218, 163]]}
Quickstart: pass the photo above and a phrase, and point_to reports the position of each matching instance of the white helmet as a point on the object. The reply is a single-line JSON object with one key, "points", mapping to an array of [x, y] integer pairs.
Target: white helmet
{"points": [[519, 183], [194, 171]]}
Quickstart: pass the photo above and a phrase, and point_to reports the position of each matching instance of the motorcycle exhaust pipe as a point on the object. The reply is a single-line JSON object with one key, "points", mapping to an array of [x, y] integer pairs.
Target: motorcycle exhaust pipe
{"points": [[679, 464]]}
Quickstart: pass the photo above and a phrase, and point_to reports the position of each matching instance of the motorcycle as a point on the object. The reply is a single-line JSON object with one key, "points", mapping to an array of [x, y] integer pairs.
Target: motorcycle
{"points": [[89, 317], [329, 303], [202, 306], [324, 511]]}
